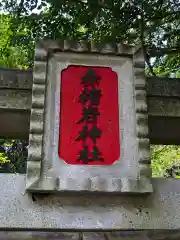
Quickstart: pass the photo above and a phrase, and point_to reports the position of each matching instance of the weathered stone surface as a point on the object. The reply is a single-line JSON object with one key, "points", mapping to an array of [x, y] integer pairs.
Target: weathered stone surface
{"points": [[15, 99], [14, 123], [164, 130], [163, 105], [115, 235], [157, 211], [15, 78], [163, 86], [158, 106], [132, 173]]}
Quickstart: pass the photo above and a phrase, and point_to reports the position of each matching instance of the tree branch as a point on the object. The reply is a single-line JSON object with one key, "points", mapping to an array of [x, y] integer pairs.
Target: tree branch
{"points": [[146, 56]]}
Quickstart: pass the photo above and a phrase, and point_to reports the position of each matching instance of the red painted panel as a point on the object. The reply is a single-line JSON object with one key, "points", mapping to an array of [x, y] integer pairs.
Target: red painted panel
{"points": [[89, 116]]}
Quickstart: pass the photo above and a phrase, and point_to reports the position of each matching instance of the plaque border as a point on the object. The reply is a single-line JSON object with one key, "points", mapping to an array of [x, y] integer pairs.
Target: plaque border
{"points": [[43, 51]]}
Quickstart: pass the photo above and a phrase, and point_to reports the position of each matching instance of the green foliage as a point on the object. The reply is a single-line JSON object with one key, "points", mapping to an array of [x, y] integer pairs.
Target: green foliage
{"points": [[103, 19], [145, 22], [169, 64], [14, 53], [153, 23], [13, 156], [163, 157], [3, 159]]}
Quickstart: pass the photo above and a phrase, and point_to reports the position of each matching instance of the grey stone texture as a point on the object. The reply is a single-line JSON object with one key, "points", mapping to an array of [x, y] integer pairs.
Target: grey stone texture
{"points": [[45, 170], [18, 210], [115, 235]]}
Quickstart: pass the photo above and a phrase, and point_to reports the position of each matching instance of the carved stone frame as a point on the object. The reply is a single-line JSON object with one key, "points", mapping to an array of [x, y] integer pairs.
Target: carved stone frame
{"points": [[40, 176]]}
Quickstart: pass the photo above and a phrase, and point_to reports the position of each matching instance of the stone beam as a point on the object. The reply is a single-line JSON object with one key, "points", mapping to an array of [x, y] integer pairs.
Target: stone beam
{"points": [[115, 235], [24, 212], [163, 103], [20, 211]]}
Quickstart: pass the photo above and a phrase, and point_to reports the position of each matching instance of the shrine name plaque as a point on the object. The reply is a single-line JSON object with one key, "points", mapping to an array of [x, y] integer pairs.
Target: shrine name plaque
{"points": [[89, 122], [89, 116]]}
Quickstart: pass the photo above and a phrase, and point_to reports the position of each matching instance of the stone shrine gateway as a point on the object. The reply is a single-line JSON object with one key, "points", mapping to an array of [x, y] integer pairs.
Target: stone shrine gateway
{"points": [[88, 163]]}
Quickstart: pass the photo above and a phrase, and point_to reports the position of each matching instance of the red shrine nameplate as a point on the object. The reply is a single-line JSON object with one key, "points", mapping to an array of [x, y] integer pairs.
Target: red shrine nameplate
{"points": [[89, 116], [89, 120]]}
